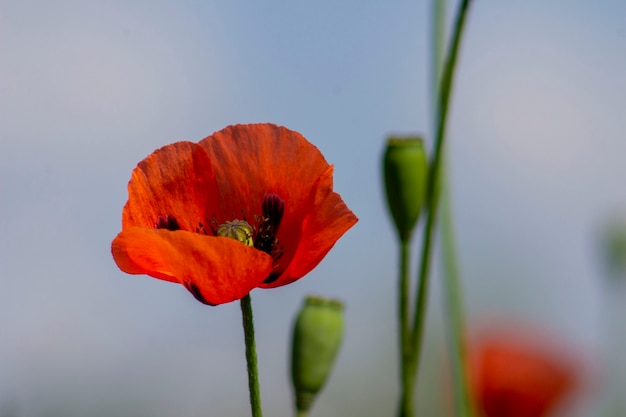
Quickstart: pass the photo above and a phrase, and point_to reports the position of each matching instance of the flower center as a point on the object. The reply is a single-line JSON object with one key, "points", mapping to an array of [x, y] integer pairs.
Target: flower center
{"points": [[237, 229], [260, 235]]}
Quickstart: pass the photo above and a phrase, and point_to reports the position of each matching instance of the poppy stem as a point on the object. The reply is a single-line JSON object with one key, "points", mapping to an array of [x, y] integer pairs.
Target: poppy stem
{"points": [[406, 379], [433, 186], [251, 359], [453, 299], [454, 308]]}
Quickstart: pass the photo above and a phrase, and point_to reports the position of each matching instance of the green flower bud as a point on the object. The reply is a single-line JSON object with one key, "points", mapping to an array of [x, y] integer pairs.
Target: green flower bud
{"points": [[237, 229], [405, 166], [615, 249], [317, 336]]}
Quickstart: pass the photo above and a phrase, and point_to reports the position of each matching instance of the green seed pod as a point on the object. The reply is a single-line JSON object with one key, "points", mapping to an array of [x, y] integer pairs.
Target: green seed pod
{"points": [[237, 229], [317, 336], [405, 167], [615, 249]]}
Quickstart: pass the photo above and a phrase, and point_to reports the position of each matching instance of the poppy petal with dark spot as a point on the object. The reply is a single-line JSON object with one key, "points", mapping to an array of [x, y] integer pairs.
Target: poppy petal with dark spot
{"points": [[176, 180], [267, 175], [328, 219], [220, 269]]}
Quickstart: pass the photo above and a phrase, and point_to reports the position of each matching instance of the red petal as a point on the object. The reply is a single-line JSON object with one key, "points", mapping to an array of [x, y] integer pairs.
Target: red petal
{"points": [[178, 180], [327, 220], [216, 270], [516, 378], [257, 159]]}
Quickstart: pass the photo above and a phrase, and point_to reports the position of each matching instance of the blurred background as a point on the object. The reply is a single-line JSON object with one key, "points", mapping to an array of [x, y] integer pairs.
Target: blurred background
{"points": [[89, 88]]}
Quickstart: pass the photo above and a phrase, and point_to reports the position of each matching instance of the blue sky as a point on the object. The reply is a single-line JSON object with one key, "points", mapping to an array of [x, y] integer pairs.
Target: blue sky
{"points": [[88, 89]]}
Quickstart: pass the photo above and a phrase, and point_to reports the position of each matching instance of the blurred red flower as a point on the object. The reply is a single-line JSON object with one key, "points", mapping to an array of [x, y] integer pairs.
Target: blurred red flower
{"points": [[517, 376], [266, 177]]}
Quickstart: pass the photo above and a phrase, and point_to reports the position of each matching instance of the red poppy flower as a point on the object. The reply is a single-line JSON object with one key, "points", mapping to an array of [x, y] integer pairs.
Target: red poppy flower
{"points": [[514, 376], [262, 184]]}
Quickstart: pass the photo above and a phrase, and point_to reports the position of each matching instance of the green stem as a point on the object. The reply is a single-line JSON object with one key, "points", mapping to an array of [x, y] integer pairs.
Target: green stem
{"points": [[438, 45], [452, 281], [407, 381], [302, 413], [454, 304], [251, 360], [432, 190]]}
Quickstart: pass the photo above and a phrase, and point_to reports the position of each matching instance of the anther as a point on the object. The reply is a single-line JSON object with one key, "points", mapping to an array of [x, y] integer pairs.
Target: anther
{"points": [[213, 224], [201, 229]]}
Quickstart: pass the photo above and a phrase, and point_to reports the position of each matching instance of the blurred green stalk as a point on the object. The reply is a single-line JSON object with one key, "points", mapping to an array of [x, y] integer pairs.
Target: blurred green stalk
{"points": [[438, 42], [452, 282], [454, 309], [407, 379], [434, 182]]}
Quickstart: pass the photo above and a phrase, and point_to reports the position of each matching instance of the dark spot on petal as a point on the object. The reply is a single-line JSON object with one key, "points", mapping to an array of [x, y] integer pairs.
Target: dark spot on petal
{"points": [[169, 223], [273, 209], [195, 291], [273, 277]]}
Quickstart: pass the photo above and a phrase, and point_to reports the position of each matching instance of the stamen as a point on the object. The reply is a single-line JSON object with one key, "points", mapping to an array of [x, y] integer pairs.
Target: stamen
{"points": [[169, 223], [201, 229], [213, 224], [266, 227], [261, 236]]}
